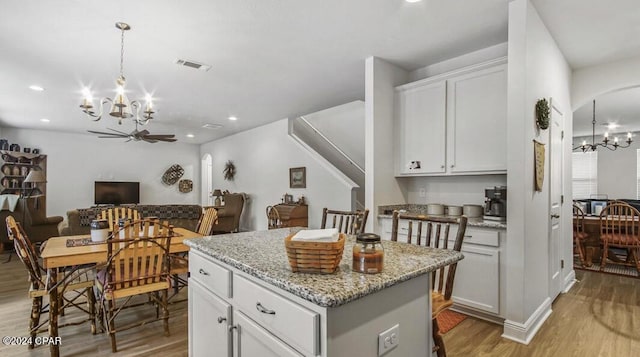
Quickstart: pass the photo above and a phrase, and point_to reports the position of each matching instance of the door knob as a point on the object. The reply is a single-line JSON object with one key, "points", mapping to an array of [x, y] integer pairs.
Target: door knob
{"points": [[221, 319], [555, 216]]}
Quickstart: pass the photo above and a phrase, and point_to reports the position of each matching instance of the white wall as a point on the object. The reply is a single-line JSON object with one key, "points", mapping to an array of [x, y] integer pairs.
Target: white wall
{"points": [[382, 188], [590, 82], [343, 125], [75, 161], [616, 169], [536, 69], [262, 157], [451, 190]]}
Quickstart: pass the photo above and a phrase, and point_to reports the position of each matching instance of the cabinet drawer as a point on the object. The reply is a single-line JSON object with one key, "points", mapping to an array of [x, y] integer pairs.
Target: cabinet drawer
{"points": [[296, 325], [211, 275], [481, 236]]}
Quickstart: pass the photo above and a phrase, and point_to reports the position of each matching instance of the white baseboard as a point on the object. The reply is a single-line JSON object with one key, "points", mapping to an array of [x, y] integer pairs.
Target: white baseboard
{"points": [[524, 332], [569, 281]]}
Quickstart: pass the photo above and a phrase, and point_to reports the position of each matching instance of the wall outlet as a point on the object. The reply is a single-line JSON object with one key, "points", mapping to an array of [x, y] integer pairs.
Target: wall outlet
{"points": [[388, 340], [422, 192]]}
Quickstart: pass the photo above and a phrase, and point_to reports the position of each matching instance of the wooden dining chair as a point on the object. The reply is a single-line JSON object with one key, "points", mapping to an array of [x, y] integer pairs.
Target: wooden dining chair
{"points": [[79, 284], [579, 235], [208, 219], [113, 215], [348, 222], [433, 231], [273, 218], [137, 263], [620, 227]]}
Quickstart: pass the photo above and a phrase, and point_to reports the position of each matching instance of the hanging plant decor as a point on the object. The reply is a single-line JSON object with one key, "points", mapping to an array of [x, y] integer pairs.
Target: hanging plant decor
{"points": [[542, 114], [229, 170]]}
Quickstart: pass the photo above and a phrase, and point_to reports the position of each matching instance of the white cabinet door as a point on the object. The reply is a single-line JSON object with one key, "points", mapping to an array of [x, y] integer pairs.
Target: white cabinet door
{"points": [[422, 134], [477, 121], [477, 280], [209, 318], [253, 341]]}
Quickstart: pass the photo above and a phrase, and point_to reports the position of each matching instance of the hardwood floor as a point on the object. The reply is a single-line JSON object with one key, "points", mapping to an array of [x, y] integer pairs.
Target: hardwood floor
{"points": [[600, 316]]}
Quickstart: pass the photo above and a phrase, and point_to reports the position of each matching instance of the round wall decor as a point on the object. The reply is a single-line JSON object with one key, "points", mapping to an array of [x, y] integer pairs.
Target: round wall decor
{"points": [[185, 186], [172, 175]]}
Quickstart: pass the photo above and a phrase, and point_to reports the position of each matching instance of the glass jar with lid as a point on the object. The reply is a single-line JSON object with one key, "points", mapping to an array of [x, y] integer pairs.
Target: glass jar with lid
{"points": [[368, 254]]}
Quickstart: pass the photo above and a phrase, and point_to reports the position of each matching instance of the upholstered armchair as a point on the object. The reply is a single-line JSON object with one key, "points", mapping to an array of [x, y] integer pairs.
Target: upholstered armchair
{"points": [[229, 214], [34, 220]]}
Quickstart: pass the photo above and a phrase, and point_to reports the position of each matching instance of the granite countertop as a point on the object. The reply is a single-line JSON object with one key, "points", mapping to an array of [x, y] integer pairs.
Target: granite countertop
{"points": [[262, 254], [422, 209]]}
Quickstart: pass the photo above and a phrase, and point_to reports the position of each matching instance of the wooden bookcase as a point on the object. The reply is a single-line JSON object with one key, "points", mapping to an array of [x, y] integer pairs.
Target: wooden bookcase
{"points": [[14, 168]]}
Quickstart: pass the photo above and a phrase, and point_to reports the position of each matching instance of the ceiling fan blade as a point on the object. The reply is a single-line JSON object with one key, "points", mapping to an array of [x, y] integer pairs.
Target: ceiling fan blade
{"points": [[169, 140], [143, 133], [112, 137], [160, 136], [150, 140], [102, 133], [118, 131]]}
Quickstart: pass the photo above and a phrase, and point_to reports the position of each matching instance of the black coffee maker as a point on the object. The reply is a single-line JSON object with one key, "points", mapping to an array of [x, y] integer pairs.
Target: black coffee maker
{"points": [[495, 203]]}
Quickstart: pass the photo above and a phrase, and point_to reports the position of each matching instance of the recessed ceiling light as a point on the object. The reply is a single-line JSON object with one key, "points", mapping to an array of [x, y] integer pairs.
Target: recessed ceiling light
{"points": [[36, 88], [190, 136], [233, 118], [45, 120], [412, 0], [612, 126]]}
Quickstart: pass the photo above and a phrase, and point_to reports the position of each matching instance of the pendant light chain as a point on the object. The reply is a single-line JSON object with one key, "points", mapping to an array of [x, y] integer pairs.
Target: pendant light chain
{"points": [[122, 54]]}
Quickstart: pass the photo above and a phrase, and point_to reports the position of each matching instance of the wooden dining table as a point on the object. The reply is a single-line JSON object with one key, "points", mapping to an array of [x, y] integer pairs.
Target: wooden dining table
{"points": [[56, 254]]}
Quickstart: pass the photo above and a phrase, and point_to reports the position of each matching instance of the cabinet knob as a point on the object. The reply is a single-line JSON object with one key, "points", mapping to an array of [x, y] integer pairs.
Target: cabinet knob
{"points": [[555, 216], [442, 166], [452, 166], [232, 327], [201, 271], [264, 310], [221, 319]]}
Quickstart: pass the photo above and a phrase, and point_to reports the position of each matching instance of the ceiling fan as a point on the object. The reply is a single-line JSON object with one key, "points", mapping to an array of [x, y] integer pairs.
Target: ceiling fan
{"points": [[136, 135]]}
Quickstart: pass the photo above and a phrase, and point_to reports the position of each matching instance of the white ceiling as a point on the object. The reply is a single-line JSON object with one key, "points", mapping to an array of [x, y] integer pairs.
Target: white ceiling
{"points": [[271, 59], [620, 107]]}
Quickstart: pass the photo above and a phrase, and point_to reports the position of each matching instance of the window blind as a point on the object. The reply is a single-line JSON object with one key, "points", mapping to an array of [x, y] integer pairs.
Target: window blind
{"points": [[585, 174]]}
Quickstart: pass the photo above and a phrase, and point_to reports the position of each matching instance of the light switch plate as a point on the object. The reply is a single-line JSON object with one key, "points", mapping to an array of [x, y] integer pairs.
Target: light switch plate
{"points": [[388, 340]]}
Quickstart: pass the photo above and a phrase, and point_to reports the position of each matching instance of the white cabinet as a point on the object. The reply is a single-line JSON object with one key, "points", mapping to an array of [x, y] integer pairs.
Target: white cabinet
{"points": [[479, 282], [208, 326], [454, 123], [477, 121], [422, 129]]}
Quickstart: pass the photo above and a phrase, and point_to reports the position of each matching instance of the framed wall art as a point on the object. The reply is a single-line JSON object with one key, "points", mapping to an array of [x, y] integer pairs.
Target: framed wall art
{"points": [[298, 177]]}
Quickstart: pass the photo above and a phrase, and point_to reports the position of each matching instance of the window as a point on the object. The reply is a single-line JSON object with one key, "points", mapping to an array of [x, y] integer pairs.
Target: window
{"points": [[585, 174]]}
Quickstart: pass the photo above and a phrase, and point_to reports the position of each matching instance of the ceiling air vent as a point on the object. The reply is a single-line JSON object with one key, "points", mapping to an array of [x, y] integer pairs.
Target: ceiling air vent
{"points": [[212, 126], [193, 64]]}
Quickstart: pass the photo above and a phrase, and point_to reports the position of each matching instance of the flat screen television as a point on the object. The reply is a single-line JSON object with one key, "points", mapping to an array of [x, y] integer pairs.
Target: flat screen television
{"points": [[116, 193]]}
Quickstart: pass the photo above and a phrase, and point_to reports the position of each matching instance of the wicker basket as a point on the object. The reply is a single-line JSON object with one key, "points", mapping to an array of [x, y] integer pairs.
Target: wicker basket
{"points": [[314, 257]]}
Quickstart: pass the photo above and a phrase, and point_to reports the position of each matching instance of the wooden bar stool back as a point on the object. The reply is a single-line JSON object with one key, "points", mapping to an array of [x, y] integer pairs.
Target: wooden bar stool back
{"points": [[113, 216], [208, 219], [348, 222], [436, 232]]}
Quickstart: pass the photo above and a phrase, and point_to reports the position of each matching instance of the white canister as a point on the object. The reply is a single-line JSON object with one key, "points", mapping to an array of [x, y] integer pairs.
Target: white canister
{"points": [[435, 209], [99, 230], [454, 210], [472, 211]]}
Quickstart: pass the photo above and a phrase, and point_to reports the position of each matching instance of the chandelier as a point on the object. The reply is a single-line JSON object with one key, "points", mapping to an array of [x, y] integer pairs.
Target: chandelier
{"points": [[121, 107], [605, 143]]}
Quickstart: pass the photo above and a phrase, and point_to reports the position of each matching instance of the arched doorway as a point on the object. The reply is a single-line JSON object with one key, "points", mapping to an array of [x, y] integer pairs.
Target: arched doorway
{"points": [[207, 180]]}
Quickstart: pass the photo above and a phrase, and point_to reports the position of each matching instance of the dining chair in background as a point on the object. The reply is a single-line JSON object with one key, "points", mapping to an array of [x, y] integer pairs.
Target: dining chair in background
{"points": [[73, 282], [273, 218], [432, 231], [113, 216], [137, 264], [620, 228], [579, 235], [348, 222]]}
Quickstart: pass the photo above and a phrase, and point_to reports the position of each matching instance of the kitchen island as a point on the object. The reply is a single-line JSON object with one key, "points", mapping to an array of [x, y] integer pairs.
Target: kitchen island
{"points": [[245, 301]]}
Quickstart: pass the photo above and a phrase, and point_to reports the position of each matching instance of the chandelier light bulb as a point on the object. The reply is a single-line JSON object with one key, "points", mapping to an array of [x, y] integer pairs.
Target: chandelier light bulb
{"points": [[606, 134], [615, 139]]}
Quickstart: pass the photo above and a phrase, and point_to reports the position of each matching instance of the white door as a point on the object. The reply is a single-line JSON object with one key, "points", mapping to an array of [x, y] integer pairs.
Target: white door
{"points": [[555, 201], [207, 180]]}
